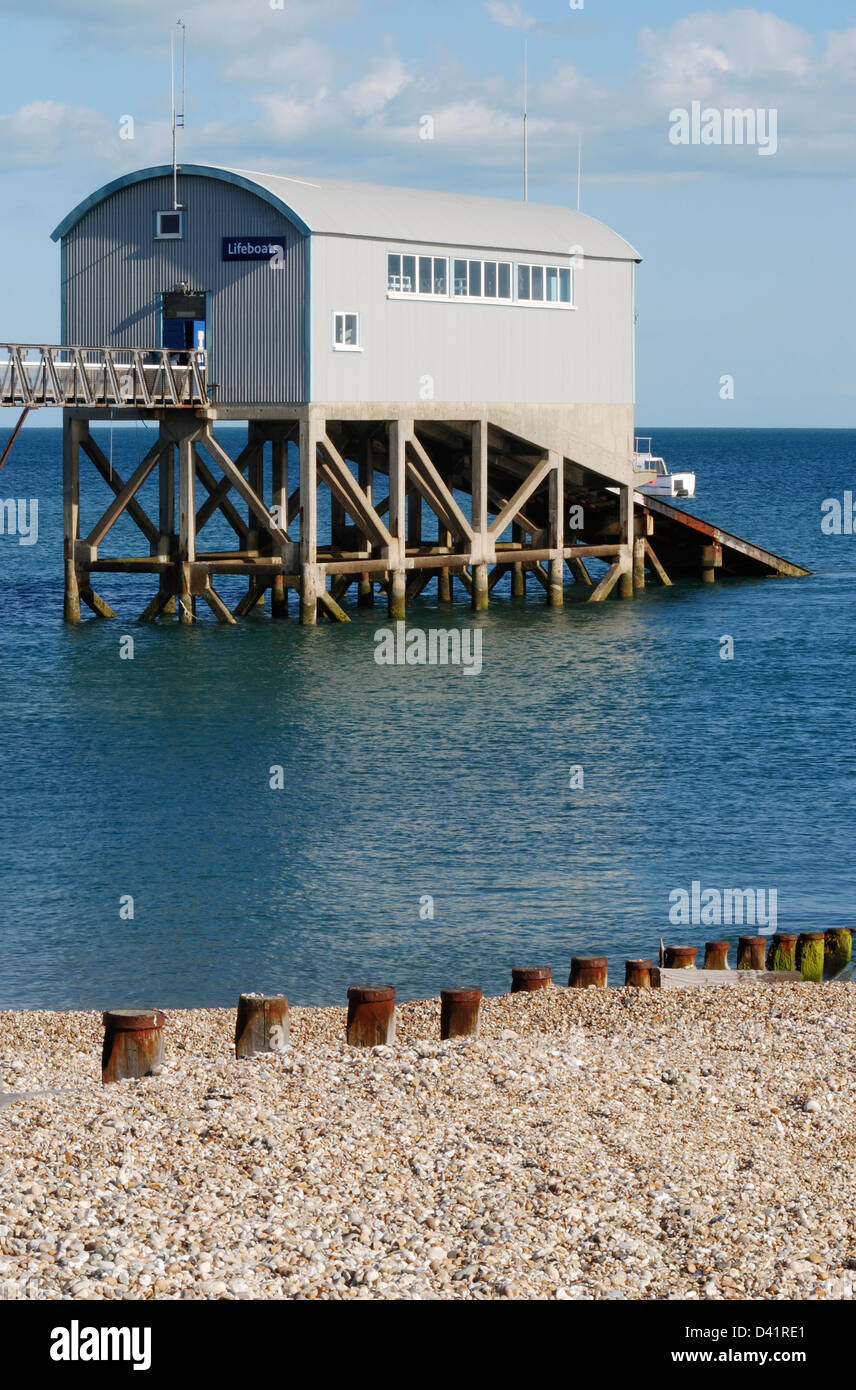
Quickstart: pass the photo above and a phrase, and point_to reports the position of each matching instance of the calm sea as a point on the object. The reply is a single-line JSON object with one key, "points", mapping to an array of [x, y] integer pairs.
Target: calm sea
{"points": [[411, 791]]}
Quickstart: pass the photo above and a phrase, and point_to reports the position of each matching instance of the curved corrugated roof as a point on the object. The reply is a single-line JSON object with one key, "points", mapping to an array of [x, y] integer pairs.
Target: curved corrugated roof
{"points": [[338, 207]]}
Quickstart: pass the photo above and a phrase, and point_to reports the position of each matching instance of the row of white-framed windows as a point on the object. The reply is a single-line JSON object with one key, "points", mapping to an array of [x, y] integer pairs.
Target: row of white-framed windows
{"points": [[544, 284], [477, 279], [417, 274], [482, 279]]}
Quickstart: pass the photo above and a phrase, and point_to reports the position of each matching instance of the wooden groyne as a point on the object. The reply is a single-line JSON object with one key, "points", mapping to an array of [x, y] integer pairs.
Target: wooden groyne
{"points": [[134, 1039]]}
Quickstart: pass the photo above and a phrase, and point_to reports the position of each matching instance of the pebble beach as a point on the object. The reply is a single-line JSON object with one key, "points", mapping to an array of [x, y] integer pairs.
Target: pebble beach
{"points": [[590, 1144]]}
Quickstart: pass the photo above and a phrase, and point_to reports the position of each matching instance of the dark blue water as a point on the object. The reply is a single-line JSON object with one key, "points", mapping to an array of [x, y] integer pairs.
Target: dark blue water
{"points": [[150, 777]]}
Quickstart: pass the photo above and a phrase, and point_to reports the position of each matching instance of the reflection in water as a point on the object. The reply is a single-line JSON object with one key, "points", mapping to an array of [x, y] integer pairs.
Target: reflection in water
{"points": [[151, 777]]}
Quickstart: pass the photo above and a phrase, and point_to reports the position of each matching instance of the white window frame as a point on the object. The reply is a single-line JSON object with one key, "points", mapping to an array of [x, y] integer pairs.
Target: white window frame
{"points": [[169, 236], [416, 293], [544, 266], [347, 314]]}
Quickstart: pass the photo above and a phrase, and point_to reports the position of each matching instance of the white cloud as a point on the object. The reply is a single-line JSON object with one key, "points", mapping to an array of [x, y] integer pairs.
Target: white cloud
{"points": [[510, 16], [704, 51], [312, 105], [384, 81]]}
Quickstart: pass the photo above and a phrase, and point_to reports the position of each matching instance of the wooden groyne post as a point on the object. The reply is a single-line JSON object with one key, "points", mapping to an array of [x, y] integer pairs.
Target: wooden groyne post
{"points": [[781, 953], [837, 949], [716, 955], [681, 957], [526, 978], [133, 1044], [809, 956], [638, 973], [587, 972], [459, 1012], [751, 952], [371, 1015], [261, 1024]]}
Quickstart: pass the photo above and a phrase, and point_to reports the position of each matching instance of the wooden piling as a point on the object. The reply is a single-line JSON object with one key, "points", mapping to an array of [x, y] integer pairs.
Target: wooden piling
{"points": [[809, 955], [681, 957], [480, 590], [781, 952], [638, 973], [459, 1012], [716, 955], [711, 561], [261, 1024], [133, 1043], [751, 952], [837, 950], [371, 1015], [526, 978], [396, 605], [587, 972]]}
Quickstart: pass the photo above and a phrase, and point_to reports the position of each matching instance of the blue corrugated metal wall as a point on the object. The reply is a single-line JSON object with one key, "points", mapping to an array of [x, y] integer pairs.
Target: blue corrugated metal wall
{"points": [[115, 273]]}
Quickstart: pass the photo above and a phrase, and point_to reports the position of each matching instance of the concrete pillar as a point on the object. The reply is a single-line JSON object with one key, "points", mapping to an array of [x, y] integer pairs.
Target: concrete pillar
{"points": [[186, 523], [397, 589], [556, 591], [71, 431], [480, 594], [279, 504], [399, 433], [625, 513], [309, 431]]}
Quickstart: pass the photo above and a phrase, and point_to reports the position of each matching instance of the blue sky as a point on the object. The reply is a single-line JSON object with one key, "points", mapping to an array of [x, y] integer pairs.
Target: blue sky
{"points": [[748, 260]]}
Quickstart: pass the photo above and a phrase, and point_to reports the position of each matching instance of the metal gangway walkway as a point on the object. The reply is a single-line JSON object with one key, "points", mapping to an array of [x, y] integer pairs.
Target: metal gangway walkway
{"points": [[35, 374]]}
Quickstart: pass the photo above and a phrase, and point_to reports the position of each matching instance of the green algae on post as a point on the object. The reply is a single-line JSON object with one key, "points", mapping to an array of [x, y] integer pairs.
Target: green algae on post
{"points": [[838, 948], [782, 951], [810, 955]]}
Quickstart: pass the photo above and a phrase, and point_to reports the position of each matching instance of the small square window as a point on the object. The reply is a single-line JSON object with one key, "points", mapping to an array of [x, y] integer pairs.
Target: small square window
{"points": [[393, 272], [425, 274], [504, 280], [565, 285], [490, 279], [476, 278], [523, 282], [537, 282], [408, 274], [169, 226], [440, 273], [552, 294], [460, 277], [346, 332]]}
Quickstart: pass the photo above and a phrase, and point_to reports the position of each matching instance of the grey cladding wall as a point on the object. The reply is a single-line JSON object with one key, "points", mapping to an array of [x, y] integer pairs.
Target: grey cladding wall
{"points": [[116, 271]]}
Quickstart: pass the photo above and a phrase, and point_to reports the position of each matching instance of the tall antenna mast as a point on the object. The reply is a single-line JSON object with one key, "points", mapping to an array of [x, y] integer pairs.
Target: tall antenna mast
{"points": [[525, 119], [177, 116], [579, 166]]}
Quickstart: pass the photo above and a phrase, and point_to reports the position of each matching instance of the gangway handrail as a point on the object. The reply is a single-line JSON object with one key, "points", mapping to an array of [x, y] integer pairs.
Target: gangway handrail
{"points": [[102, 377]]}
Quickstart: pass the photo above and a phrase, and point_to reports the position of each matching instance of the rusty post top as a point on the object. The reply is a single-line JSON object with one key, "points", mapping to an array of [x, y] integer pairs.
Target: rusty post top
{"points": [[713, 945], [678, 947], [531, 972], [636, 960], [589, 960], [266, 998], [741, 939], [467, 994], [812, 936], [784, 936], [132, 1020], [371, 994]]}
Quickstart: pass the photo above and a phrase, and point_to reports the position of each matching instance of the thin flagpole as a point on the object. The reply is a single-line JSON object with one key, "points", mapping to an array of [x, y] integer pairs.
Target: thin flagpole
{"points": [[579, 166], [525, 120]]}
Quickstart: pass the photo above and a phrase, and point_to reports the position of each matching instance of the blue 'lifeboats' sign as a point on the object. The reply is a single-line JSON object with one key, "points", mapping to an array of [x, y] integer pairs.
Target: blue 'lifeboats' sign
{"points": [[255, 248]]}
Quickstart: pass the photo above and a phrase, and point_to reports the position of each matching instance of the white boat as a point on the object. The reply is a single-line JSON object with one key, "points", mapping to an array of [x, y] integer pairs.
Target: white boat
{"points": [[664, 484]]}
